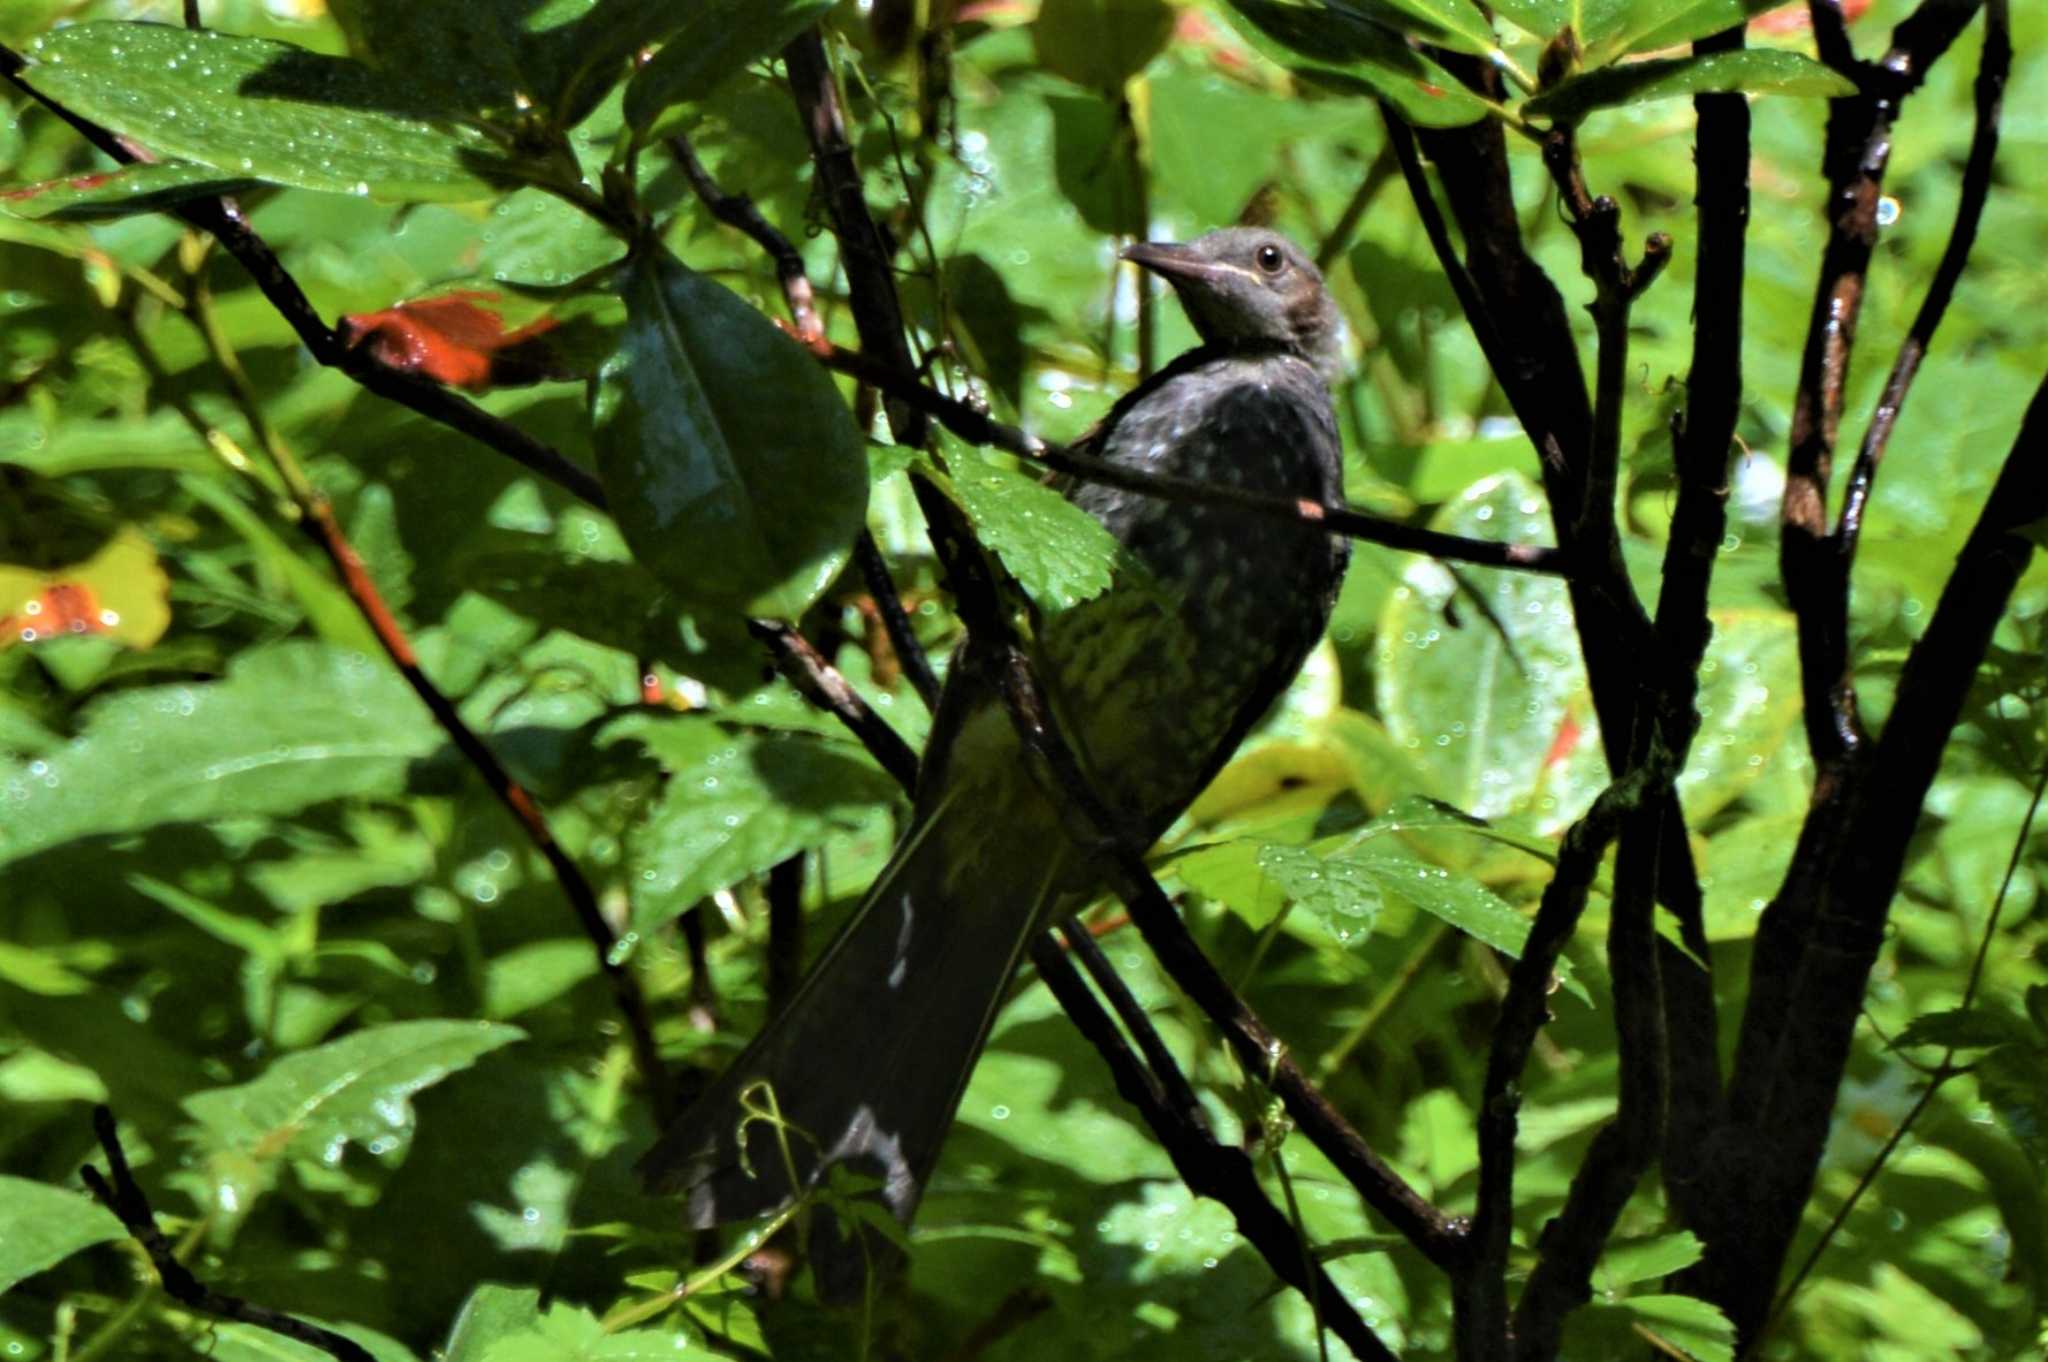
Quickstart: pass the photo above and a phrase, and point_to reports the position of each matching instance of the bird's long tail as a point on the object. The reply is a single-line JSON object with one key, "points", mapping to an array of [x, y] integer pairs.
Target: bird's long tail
{"points": [[864, 1067]]}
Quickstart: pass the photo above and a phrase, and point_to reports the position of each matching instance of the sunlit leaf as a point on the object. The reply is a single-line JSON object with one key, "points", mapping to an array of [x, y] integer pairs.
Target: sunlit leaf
{"points": [[1753, 71], [120, 193]]}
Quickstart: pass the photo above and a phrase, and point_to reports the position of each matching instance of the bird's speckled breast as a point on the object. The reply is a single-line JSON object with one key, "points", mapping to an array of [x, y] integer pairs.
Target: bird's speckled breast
{"points": [[1160, 678]]}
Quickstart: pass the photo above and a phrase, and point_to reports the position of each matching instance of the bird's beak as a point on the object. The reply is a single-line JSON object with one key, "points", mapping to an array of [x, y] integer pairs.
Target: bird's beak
{"points": [[1175, 261]]}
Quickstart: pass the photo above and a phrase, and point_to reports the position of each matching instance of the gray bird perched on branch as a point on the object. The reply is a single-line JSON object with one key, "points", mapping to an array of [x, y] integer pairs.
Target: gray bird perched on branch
{"points": [[1155, 681]]}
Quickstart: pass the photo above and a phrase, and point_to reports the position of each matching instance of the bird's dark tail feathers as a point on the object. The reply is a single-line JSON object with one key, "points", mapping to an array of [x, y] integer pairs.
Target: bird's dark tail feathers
{"points": [[867, 1063]]}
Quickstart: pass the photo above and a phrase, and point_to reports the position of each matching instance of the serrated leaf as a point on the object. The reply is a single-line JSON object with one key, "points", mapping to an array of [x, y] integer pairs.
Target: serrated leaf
{"points": [[1625, 1261], [2014, 1080], [734, 805], [315, 1103], [269, 111], [41, 1226], [1687, 1323], [1345, 894], [731, 462], [1759, 71], [716, 41], [1351, 54], [569, 1333], [121, 193], [1966, 1029], [292, 725], [1058, 553]]}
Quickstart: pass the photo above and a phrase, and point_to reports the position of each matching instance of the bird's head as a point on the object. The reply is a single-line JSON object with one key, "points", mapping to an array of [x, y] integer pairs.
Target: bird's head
{"points": [[1249, 286]]}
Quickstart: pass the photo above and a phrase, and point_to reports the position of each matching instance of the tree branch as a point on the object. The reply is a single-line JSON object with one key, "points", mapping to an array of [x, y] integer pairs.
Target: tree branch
{"points": [[120, 1193]]}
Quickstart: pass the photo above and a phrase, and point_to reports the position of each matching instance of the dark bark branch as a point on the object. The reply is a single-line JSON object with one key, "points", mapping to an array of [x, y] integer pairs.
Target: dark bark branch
{"points": [[1994, 66], [120, 1193], [1703, 440], [977, 427], [1481, 1314], [1859, 143], [1209, 1168], [822, 684]]}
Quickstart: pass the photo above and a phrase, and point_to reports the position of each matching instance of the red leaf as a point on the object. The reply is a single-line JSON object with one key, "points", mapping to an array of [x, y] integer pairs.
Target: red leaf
{"points": [[453, 340], [59, 610], [77, 183]]}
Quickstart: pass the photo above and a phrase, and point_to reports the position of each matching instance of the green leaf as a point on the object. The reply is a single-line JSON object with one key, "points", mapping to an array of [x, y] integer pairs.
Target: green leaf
{"points": [[1657, 26], [313, 1104], [1691, 1326], [2014, 1080], [1624, 1261], [731, 462], [535, 974], [1351, 54], [734, 805], [492, 1312], [41, 1226], [1456, 24], [251, 938], [1539, 18], [1761, 71], [501, 57], [233, 1341], [1101, 43], [1345, 894], [716, 41], [1058, 553], [121, 193], [1489, 696], [569, 1333], [268, 111], [1748, 705], [1966, 1029], [292, 725]]}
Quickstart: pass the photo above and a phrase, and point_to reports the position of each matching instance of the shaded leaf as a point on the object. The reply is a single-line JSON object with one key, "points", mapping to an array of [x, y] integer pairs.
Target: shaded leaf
{"points": [[732, 464], [1658, 26], [1101, 43], [1966, 1029], [569, 1333], [716, 41], [1351, 54], [41, 1226]]}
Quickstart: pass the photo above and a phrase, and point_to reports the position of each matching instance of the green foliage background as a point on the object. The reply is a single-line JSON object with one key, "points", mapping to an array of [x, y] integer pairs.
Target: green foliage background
{"points": [[355, 1039]]}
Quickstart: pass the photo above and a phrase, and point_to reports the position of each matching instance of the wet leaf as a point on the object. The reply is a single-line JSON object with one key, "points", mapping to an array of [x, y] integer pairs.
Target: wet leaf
{"points": [[269, 111], [1058, 553], [731, 461], [121, 193]]}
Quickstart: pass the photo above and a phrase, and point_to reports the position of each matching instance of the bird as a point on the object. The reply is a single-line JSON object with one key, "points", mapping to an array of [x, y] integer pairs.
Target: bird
{"points": [[1155, 681]]}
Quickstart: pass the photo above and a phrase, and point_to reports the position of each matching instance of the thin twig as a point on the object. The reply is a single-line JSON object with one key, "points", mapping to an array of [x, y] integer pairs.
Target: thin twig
{"points": [[118, 1191], [822, 684]]}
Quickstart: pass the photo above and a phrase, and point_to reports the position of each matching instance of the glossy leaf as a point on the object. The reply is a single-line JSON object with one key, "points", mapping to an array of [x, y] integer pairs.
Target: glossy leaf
{"points": [[356, 1090], [41, 1226], [735, 804], [290, 726], [121, 193], [731, 461], [1755, 71], [1658, 27], [1058, 553], [269, 111], [1101, 43], [716, 41], [1542, 19], [1349, 53]]}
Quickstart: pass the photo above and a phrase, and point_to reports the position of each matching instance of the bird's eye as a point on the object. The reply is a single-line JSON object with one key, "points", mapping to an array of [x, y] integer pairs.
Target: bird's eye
{"points": [[1269, 258]]}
